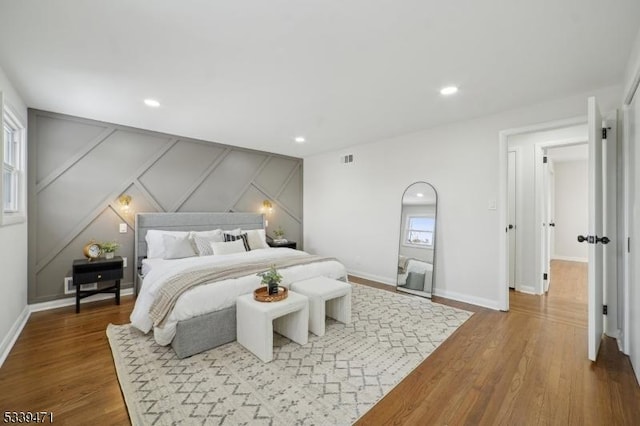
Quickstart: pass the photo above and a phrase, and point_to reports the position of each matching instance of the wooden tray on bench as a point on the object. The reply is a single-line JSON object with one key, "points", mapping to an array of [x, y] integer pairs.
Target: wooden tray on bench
{"points": [[261, 294]]}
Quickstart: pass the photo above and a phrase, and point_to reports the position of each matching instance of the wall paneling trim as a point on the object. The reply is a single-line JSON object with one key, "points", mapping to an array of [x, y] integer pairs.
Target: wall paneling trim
{"points": [[78, 168]]}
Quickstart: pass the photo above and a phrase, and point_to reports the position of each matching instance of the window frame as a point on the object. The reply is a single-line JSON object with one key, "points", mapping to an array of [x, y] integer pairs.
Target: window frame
{"points": [[407, 229], [16, 167]]}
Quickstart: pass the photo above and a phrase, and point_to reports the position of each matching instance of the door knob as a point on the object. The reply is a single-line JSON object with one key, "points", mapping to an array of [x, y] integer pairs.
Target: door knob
{"points": [[592, 240], [511, 226], [552, 224]]}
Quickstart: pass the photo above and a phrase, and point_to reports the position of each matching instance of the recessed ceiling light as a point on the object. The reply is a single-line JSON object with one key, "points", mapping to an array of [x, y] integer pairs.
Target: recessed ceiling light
{"points": [[420, 194], [151, 103], [300, 139], [449, 90]]}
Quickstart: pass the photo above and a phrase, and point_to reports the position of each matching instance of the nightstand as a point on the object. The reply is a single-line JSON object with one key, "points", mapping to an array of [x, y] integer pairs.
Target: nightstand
{"points": [[288, 244], [96, 271]]}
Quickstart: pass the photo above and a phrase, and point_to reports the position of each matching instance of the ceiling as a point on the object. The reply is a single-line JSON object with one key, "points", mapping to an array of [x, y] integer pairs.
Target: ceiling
{"points": [[259, 73]]}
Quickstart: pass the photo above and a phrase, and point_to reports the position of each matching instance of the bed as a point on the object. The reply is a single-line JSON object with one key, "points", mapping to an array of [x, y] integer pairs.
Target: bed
{"points": [[204, 316], [414, 273]]}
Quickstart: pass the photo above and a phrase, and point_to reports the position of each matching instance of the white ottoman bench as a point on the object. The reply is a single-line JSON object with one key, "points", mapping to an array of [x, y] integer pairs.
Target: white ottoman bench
{"points": [[256, 322], [327, 297]]}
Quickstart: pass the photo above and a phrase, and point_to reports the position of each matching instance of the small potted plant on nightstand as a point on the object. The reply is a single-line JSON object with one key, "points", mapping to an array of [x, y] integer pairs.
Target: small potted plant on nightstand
{"points": [[109, 248], [279, 234], [271, 279]]}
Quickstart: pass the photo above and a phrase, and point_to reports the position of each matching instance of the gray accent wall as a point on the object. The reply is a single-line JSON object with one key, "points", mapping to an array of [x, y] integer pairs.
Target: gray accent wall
{"points": [[78, 168]]}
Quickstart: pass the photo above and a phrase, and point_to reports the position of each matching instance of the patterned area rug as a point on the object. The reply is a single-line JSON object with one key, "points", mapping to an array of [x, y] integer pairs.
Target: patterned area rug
{"points": [[331, 380]]}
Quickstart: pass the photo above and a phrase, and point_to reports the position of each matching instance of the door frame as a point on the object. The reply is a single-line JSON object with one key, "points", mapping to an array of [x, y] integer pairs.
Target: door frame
{"points": [[539, 203], [503, 239]]}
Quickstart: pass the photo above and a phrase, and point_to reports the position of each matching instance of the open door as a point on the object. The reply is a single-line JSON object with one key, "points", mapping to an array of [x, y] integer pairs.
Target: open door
{"points": [[595, 239], [548, 215], [511, 227]]}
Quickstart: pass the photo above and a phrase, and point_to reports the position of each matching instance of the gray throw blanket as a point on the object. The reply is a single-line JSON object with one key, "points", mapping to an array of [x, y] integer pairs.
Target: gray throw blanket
{"points": [[175, 286]]}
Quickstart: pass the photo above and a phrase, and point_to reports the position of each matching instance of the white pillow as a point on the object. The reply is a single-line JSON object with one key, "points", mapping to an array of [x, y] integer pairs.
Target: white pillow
{"points": [[213, 235], [229, 247], [155, 243], [234, 232], [257, 239], [177, 247], [202, 240]]}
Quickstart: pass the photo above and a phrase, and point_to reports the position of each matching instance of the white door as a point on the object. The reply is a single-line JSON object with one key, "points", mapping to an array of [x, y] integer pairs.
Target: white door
{"points": [[546, 218], [595, 271], [551, 225], [511, 227]]}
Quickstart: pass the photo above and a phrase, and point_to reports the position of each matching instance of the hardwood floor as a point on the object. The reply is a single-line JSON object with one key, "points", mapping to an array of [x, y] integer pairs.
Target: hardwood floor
{"points": [[527, 366]]}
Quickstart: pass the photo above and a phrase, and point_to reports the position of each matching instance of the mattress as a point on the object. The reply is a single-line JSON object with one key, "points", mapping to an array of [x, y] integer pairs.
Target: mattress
{"points": [[414, 265], [219, 295]]}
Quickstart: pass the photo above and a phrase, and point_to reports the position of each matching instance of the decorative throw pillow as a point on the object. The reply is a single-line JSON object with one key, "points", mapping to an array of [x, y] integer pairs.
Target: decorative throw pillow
{"points": [[177, 247], [243, 237], [415, 281], [230, 247], [201, 241], [256, 239]]}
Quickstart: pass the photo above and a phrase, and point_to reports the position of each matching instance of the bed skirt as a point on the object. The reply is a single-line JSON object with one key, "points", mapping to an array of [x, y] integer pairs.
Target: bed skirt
{"points": [[205, 332]]}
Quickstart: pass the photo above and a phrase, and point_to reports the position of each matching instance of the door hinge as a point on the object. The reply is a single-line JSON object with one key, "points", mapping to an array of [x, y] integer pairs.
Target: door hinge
{"points": [[604, 133], [628, 244], [545, 276], [544, 159], [604, 309]]}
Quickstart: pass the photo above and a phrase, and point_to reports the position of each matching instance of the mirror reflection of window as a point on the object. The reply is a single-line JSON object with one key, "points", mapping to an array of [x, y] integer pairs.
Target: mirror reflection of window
{"points": [[419, 232]]}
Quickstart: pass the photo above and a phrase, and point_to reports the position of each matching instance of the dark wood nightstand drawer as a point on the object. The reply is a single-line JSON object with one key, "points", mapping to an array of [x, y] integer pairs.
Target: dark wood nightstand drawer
{"points": [[97, 276]]}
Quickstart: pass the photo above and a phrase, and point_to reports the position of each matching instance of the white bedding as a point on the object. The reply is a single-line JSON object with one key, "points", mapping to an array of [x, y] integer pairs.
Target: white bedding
{"points": [[219, 295], [415, 265]]}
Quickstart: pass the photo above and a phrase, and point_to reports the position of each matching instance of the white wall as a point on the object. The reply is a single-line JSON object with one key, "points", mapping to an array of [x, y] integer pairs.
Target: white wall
{"points": [[353, 211], [13, 252], [571, 210], [527, 254], [632, 73], [634, 231]]}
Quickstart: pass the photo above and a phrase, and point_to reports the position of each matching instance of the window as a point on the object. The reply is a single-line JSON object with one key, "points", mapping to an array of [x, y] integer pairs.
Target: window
{"points": [[419, 231], [12, 180]]}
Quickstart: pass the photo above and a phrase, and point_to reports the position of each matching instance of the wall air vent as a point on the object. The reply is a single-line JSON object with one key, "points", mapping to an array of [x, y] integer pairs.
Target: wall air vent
{"points": [[346, 159], [69, 288]]}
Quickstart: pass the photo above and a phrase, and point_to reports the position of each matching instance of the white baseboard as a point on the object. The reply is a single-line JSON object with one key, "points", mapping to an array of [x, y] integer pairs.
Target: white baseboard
{"points": [[465, 298], [69, 301], [376, 278], [570, 258], [473, 300], [13, 334]]}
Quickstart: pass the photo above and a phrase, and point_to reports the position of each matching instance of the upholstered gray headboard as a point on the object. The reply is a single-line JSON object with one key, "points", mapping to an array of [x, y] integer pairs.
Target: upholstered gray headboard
{"points": [[188, 222]]}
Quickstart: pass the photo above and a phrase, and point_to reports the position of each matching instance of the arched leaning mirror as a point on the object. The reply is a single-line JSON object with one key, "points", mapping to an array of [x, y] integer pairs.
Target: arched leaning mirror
{"points": [[416, 254]]}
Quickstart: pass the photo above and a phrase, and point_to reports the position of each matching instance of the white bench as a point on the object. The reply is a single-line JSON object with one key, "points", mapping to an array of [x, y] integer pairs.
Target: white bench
{"points": [[256, 322], [327, 297]]}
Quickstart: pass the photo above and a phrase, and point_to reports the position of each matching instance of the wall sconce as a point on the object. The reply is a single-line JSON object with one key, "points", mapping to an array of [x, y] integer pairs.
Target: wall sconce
{"points": [[124, 201], [267, 207]]}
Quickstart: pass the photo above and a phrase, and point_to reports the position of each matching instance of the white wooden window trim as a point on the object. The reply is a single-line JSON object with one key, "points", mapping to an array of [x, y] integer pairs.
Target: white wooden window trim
{"points": [[15, 166]]}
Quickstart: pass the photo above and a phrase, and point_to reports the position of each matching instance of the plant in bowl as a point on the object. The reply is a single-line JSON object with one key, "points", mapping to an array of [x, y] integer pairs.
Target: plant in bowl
{"points": [[271, 279], [109, 248], [279, 234]]}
